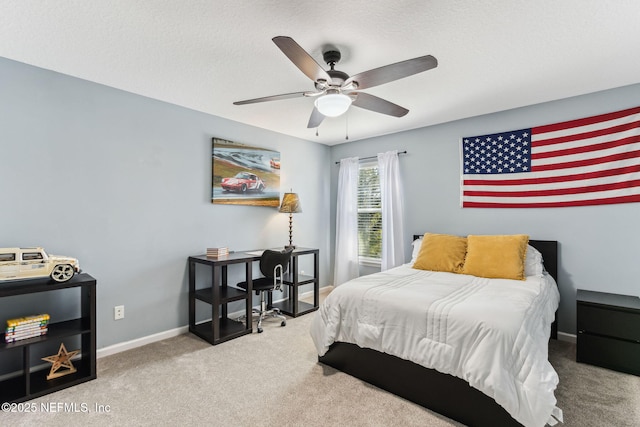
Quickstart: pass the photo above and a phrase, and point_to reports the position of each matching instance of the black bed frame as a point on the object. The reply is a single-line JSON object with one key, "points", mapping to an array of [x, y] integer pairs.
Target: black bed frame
{"points": [[445, 394]]}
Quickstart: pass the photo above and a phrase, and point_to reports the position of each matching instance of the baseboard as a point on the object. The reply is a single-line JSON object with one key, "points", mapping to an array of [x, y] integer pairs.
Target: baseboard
{"points": [[326, 290], [563, 336], [322, 291], [139, 342]]}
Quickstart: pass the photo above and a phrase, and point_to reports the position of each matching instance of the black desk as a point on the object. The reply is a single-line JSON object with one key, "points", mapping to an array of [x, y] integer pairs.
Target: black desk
{"points": [[219, 293]]}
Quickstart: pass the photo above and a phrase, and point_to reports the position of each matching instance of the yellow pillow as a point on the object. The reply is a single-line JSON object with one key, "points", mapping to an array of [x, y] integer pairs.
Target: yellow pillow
{"points": [[441, 252], [499, 257]]}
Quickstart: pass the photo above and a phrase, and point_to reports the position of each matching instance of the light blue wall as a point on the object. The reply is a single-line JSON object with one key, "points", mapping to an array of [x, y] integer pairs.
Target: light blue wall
{"points": [[122, 182], [599, 245]]}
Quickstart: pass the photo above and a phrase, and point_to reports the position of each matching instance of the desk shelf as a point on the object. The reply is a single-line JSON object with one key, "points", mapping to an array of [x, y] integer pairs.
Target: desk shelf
{"points": [[292, 306], [229, 329], [288, 307], [302, 279], [217, 295], [227, 295]]}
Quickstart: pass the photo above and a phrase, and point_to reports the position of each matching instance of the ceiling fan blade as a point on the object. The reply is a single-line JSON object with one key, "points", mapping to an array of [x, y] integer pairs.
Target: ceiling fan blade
{"points": [[315, 119], [301, 59], [271, 98], [379, 105], [391, 72]]}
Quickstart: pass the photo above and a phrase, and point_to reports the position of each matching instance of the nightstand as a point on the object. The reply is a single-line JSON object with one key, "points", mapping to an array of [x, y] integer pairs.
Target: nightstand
{"points": [[609, 330]]}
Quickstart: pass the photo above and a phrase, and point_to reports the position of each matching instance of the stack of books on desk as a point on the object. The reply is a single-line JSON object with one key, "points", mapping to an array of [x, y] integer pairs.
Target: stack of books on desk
{"points": [[26, 327], [217, 252]]}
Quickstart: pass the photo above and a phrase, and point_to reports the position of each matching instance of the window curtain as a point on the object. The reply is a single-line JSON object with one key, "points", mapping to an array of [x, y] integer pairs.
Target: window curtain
{"points": [[393, 234], [346, 255]]}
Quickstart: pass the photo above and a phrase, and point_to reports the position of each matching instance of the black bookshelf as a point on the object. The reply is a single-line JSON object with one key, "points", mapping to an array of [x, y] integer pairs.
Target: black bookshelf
{"points": [[29, 382]]}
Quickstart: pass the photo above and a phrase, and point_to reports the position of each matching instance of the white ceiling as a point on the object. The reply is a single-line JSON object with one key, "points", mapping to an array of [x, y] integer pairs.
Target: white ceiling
{"points": [[205, 54]]}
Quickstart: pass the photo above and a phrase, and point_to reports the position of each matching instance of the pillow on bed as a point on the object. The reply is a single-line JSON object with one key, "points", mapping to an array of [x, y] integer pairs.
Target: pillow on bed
{"points": [[416, 244], [441, 252], [496, 257], [533, 262]]}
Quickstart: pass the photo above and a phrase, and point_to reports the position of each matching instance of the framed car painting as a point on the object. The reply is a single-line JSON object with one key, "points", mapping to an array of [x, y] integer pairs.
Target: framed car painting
{"points": [[244, 174]]}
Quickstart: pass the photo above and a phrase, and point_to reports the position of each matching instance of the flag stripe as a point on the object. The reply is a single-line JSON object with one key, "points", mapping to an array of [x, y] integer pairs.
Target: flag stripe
{"points": [[558, 191], [602, 154], [540, 136], [550, 176], [589, 161], [587, 121], [554, 179], [584, 135], [537, 147], [592, 202], [586, 148], [607, 194]]}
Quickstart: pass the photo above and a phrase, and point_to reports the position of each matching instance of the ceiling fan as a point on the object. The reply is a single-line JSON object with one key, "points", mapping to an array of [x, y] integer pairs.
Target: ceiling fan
{"points": [[336, 91]]}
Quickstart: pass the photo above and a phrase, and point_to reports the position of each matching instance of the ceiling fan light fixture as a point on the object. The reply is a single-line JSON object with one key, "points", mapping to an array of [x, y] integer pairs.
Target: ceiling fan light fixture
{"points": [[333, 104]]}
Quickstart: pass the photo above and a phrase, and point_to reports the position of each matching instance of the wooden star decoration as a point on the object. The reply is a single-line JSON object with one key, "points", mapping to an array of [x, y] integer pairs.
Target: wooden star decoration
{"points": [[59, 361]]}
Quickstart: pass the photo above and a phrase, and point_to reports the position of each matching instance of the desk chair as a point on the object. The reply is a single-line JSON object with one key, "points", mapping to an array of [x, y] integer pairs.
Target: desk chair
{"points": [[273, 265]]}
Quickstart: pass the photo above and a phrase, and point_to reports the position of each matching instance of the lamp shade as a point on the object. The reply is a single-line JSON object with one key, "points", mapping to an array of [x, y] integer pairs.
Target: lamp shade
{"points": [[290, 203], [333, 104]]}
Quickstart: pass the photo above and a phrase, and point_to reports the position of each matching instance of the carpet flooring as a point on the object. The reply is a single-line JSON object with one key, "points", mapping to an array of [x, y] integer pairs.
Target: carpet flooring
{"points": [[274, 378]]}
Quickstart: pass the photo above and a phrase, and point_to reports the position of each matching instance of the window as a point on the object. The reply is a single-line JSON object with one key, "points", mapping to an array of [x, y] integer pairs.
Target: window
{"points": [[369, 214], [30, 256], [8, 257]]}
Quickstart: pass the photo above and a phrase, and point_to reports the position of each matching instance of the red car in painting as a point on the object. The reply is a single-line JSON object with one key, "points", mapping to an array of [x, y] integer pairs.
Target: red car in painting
{"points": [[243, 182]]}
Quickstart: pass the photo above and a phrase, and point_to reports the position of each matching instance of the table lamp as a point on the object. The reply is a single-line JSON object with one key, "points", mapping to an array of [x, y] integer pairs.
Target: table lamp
{"points": [[290, 204]]}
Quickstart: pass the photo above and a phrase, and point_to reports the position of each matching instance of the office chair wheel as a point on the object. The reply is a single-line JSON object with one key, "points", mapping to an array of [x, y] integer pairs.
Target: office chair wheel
{"points": [[260, 330], [284, 323]]}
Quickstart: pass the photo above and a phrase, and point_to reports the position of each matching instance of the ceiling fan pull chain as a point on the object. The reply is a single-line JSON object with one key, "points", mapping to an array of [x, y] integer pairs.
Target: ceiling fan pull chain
{"points": [[346, 116], [317, 130]]}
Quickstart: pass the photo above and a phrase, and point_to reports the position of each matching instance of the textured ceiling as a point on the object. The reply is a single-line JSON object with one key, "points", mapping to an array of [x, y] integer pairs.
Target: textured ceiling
{"points": [[493, 55]]}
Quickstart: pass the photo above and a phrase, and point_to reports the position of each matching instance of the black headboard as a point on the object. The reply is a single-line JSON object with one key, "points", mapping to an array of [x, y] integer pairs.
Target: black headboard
{"points": [[549, 251]]}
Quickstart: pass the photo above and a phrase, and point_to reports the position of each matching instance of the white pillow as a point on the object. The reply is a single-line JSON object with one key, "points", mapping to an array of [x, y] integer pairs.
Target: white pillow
{"points": [[533, 262], [416, 249]]}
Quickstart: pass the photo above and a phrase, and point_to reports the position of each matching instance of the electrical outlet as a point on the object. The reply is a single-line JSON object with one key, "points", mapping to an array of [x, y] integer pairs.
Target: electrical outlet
{"points": [[118, 312]]}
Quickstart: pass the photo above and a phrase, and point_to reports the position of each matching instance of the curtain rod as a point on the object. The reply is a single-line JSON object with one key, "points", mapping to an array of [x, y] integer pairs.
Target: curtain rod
{"points": [[374, 157]]}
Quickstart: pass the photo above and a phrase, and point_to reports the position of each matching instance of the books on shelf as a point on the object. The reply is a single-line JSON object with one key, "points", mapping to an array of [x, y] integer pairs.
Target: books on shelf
{"points": [[217, 252], [26, 327]]}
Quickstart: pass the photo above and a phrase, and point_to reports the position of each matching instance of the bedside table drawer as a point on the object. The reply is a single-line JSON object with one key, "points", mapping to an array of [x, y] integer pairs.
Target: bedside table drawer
{"points": [[623, 356], [607, 321]]}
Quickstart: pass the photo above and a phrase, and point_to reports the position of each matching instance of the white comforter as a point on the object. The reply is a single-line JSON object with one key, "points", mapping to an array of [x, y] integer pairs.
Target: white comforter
{"points": [[493, 333]]}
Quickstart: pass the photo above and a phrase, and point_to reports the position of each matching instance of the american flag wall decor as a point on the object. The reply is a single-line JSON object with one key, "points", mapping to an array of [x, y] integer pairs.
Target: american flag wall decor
{"points": [[590, 161]]}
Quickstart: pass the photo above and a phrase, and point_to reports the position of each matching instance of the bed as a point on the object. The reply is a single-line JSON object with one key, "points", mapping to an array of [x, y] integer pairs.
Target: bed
{"points": [[428, 379]]}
